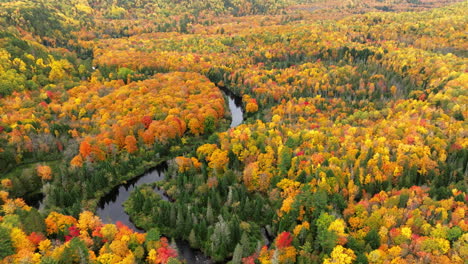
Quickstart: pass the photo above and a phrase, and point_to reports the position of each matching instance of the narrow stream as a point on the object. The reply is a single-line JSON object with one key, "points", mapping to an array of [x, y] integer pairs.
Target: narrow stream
{"points": [[110, 208], [36, 201], [235, 106]]}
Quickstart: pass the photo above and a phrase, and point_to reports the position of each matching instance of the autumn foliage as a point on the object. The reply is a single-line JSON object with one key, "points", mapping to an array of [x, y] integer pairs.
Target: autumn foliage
{"points": [[353, 147]]}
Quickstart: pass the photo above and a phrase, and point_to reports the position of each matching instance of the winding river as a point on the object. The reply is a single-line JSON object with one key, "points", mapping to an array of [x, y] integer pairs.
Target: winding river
{"points": [[110, 207]]}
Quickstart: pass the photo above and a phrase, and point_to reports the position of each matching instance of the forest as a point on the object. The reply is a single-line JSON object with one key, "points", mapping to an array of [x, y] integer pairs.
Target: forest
{"points": [[352, 145]]}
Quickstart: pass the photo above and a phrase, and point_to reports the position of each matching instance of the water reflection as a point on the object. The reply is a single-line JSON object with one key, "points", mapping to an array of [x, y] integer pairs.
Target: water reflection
{"points": [[235, 106], [110, 208]]}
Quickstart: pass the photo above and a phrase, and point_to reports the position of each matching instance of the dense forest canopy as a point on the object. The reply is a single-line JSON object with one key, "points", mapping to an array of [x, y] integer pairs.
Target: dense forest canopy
{"points": [[353, 147]]}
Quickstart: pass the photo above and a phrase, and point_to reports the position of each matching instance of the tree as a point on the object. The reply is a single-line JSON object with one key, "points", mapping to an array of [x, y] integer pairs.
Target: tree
{"points": [[373, 239], [146, 121], [209, 125], [109, 231], [77, 161], [32, 221], [124, 73], [341, 255], [56, 222], [284, 159], [283, 240], [250, 176], [59, 70], [237, 255], [75, 252], [195, 127], [251, 106], [45, 172], [85, 149], [88, 221], [163, 254], [219, 159], [131, 144], [6, 244], [326, 239], [20, 240]]}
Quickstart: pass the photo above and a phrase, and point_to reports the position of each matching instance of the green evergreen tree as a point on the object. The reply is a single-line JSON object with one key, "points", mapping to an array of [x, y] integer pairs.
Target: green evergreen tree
{"points": [[326, 240], [75, 252], [193, 239], [32, 221], [237, 256], [209, 214], [174, 261], [6, 245], [373, 239]]}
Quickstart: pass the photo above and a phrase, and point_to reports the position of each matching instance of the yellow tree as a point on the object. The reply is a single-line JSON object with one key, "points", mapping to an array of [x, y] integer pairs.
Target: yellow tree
{"points": [[56, 222], [77, 161], [88, 221], [250, 176], [219, 160], [340, 255], [195, 127], [45, 172], [58, 69]]}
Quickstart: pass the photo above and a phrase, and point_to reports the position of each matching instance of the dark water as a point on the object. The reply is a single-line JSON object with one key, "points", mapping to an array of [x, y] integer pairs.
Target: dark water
{"points": [[36, 201], [111, 210], [235, 106]]}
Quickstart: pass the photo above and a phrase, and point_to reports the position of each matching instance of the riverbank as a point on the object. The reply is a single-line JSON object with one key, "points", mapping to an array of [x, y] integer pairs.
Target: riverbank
{"points": [[110, 207]]}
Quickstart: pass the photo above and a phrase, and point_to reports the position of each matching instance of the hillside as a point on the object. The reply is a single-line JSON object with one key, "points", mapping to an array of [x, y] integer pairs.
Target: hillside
{"points": [[353, 146]]}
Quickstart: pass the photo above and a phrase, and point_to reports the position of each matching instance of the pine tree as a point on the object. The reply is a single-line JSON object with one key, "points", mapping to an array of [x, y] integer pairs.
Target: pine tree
{"points": [[209, 214], [172, 216], [237, 256], [193, 239], [373, 239], [32, 221], [6, 245], [180, 222], [245, 241], [75, 252]]}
